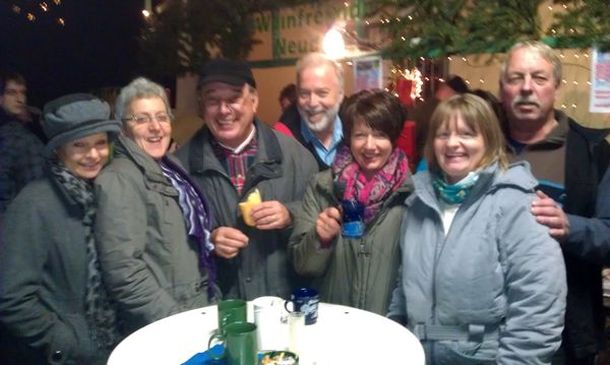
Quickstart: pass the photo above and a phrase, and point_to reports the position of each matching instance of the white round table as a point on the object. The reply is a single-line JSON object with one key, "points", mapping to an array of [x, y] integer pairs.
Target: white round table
{"points": [[342, 335]]}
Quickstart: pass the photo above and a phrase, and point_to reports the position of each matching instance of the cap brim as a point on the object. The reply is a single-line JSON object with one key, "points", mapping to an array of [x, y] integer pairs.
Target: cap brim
{"points": [[227, 79]]}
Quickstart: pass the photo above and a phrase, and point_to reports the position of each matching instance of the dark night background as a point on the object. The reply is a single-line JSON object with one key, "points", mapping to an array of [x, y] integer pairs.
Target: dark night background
{"points": [[96, 48]]}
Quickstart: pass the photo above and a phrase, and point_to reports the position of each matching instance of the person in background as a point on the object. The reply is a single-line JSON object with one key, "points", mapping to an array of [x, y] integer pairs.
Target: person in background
{"points": [[153, 224], [314, 120], [569, 161], [21, 157], [481, 281], [361, 271], [288, 96], [232, 156], [13, 101], [421, 113], [53, 302]]}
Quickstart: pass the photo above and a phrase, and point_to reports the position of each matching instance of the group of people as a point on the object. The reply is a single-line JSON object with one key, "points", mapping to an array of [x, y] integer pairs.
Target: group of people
{"points": [[491, 255]]}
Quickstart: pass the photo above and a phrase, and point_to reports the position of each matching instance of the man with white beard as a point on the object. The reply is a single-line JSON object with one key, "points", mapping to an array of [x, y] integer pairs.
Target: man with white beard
{"points": [[314, 120]]}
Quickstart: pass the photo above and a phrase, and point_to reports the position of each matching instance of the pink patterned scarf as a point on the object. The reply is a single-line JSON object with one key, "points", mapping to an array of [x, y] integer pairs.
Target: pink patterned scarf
{"points": [[371, 193]]}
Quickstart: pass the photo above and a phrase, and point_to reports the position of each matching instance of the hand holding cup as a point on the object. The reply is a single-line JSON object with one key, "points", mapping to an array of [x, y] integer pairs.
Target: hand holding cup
{"points": [[328, 224]]}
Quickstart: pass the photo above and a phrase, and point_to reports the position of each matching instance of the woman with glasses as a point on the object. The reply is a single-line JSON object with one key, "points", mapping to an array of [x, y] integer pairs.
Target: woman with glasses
{"points": [[153, 224], [53, 303]]}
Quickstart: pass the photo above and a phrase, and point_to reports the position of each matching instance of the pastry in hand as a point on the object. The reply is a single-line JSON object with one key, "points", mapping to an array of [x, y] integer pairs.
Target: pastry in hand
{"points": [[253, 199]]}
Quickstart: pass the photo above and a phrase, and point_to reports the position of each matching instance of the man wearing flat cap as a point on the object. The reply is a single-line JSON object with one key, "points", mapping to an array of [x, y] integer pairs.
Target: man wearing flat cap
{"points": [[231, 157]]}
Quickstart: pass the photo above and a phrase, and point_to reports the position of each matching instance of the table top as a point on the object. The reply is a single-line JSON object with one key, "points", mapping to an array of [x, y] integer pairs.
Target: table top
{"points": [[342, 335]]}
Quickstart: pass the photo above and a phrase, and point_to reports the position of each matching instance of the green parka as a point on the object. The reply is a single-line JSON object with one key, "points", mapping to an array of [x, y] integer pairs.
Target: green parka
{"points": [[150, 265], [359, 272]]}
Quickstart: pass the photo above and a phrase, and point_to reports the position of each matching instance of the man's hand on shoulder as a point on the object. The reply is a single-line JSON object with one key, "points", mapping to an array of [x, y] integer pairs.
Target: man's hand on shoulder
{"points": [[547, 212]]}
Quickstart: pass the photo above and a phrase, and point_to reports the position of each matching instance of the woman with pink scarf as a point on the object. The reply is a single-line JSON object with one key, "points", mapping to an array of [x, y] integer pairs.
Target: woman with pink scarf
{"points": [[345, 238]]}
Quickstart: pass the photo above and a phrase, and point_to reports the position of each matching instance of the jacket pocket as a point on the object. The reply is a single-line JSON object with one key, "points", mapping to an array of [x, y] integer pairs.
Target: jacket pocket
{"points": [[71, 343], [466, 353]]}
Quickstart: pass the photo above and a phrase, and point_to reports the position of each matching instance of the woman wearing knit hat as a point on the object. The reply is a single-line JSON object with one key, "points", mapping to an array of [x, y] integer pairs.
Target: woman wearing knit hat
{"points": [[153, 225], [52, 299]]}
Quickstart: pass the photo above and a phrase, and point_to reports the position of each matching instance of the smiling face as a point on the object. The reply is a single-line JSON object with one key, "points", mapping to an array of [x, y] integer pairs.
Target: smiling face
{"points": [[86, 156], [319, 96], [528, 87], [149, 127], [228, 111], [458, 149], [371, 148]]}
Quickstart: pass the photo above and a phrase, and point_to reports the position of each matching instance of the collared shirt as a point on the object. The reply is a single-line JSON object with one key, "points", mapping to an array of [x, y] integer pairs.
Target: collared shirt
{"points": [[238, 160], [326, 155]]}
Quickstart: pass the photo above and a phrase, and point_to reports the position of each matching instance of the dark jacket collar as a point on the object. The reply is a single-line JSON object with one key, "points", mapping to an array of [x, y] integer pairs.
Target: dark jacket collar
{"points": [[202, 156]]}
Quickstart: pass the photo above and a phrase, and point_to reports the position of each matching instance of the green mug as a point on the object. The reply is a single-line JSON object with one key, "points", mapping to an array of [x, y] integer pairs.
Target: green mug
{"points": [[231, 310], [239, 339]]}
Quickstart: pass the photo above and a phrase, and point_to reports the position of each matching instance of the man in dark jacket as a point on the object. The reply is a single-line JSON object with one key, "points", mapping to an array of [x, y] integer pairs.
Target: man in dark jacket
{"points": [[21, 158], [231, 157], [569, 161], [314, 120]]}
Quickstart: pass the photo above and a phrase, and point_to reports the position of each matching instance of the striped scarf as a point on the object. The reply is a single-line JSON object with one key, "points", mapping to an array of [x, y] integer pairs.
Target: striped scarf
{"points": [[197, 217]]}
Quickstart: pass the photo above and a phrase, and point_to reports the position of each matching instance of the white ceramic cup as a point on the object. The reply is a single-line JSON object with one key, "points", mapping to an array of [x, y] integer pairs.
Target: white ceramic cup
{"points": [[272, 330]]}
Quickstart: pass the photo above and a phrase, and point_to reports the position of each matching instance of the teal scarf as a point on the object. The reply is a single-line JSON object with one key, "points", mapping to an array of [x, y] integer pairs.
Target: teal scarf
{"points": [[455, 193]]}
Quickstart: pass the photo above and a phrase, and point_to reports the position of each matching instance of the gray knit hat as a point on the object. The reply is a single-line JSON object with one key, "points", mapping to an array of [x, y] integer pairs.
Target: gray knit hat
{"points": [[75, 116]]}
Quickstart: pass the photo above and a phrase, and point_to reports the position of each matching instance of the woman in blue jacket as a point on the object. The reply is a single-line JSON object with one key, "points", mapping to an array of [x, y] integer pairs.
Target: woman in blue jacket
{"points": [[481, 281]]}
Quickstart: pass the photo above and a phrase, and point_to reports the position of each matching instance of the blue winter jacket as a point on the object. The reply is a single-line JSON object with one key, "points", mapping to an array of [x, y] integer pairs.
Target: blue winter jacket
{"points": [[493, 290]]}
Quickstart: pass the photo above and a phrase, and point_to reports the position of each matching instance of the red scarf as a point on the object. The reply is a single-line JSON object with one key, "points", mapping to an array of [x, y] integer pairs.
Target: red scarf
{"points": [[374, 192]]}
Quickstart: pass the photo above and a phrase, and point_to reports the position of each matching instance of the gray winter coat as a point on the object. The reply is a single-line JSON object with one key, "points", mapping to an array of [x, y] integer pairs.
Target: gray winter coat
{"points": [[359, 272], [281, 171], [43, 277], [497, 280], [149, 264]]}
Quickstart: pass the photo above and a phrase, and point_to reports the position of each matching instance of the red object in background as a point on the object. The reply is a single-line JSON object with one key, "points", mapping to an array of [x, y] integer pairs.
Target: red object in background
{"points": [[282, 128], [406, 142], [403, 88]]}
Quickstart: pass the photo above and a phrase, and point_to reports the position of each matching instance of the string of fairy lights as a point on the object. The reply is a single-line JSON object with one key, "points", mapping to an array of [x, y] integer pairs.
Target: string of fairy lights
{"points": [[575, 63], [36, 11]]}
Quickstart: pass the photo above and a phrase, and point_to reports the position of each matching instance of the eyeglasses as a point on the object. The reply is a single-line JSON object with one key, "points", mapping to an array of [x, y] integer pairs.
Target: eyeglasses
{"points": [[142, 119]]}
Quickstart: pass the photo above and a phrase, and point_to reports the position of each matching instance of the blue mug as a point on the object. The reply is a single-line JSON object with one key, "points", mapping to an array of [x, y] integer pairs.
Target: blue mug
{"points": [[353, 219], [305, 300]]}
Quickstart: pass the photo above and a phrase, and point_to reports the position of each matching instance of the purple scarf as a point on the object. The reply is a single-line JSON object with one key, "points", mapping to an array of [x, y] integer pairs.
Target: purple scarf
{"points": [[196, 215]]}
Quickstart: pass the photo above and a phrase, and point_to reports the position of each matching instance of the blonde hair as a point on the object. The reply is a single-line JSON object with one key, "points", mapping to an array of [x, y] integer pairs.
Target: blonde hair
{"points": [[477, 115]]}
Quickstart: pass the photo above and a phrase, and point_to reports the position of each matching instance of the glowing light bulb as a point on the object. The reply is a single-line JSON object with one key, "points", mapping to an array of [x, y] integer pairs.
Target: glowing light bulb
{"points": [[333, 44], [146, 13]]}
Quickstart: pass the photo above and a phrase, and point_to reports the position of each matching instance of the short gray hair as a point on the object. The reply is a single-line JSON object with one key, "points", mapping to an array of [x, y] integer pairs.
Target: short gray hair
{"points": [[315, 59], [140, 88], [543, 50]]}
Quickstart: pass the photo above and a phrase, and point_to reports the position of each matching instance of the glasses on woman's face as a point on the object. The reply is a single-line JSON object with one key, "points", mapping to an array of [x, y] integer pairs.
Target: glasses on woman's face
{"points": [[144, 119]]}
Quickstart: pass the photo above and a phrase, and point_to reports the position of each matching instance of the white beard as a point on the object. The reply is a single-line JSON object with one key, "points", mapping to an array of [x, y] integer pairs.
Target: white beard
{"points": [[324, 123]]}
